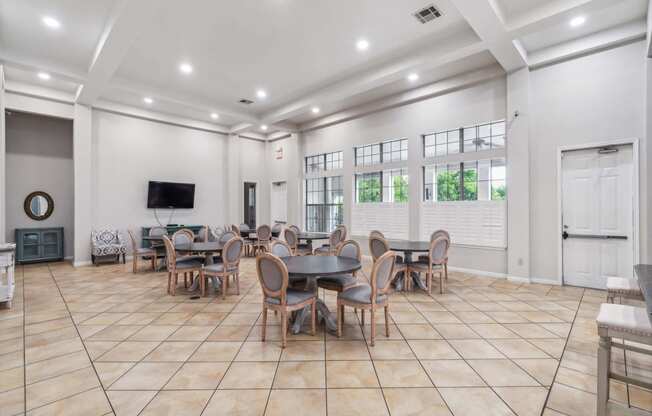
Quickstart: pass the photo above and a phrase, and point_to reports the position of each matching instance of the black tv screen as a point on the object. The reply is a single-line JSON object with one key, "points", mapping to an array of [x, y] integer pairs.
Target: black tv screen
{"points": [[170, 195]]}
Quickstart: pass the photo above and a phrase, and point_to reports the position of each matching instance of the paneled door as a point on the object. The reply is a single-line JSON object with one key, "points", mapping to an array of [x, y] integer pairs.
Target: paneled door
{"points": [[279, 202], [597, 215], [250, 204]]}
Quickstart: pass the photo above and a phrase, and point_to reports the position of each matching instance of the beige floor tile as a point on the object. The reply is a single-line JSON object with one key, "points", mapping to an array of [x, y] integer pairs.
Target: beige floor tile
{"points": [[11, 379], [229, 333], [12, 402], [401, 374], [356, 402], [475, 349], [435, 317], [301, 375], [237, 402], [554, 347], [415, 402], [571, 401], [391, 350], [110, 372], [433, 350], [456, 331], [307, 402], [89, 403], [116, 333], [493, 331], [211, 319], [502, 373], [418, 331], [347, 350], [191, 333], [518, 348], [129, 351], [474, 401], [259, 351], [530, 330], [474, 317], [216, 351], [303, 351], [129, 403], [246, 375], [139, 318], [172, 351], [33, 354], [452, 373], [178, 403], [57, 388], [173, 318], [352, 332], [343, 374], [240, 319], [154, 333], [106, 318], [146, 376], [98, 348], [542, 369], [525, 401]]}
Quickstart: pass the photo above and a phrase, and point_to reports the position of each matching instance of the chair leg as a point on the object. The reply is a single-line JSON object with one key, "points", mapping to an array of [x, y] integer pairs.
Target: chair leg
{"points": [[263, 330], [169, 282], [202, 283], [373, 325], [604, 358], [185, 280], [340, 312], [284, 328], [387, 321], [429, 283], [135, 263], [313, 318], [441, 283], [225, 285], [446, 270], [237, 284], [362, 316], [175, 281]]}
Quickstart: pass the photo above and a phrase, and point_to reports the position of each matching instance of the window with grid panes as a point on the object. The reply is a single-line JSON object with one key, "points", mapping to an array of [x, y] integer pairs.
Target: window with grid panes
{"points": [[324, 203], [481, 180], [395, 185], [324, 161], [384, 152], [476, 138]]}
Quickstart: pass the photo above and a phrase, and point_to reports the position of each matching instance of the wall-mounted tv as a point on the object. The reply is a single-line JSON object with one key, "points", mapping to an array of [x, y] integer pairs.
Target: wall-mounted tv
{"points": [[171, 195]]}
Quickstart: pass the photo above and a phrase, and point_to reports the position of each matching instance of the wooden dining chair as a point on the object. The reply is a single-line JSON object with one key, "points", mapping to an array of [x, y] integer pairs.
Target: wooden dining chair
{"points": [[336, 237], [263, 238], [433, 236], [202, 234], [186, 236], [379, 246], [293, 241], [141, 252], [280, 249], [295, 228], [437, 256], [230, 266], [370, 296], [339, 283], [274, 280], [175, 266], [376, 233]]}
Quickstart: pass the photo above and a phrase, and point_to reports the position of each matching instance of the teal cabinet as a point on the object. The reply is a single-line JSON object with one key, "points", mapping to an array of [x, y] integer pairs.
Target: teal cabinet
{"points": [[39, 244]]}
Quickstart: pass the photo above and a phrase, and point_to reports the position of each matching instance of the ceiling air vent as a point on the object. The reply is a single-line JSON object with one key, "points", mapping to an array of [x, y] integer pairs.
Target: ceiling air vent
{"points": [[245, 101], [427, 14]]}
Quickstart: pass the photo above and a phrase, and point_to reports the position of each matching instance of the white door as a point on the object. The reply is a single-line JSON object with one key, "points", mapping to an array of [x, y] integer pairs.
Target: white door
{"points": [[597, 215], [279, 202]]}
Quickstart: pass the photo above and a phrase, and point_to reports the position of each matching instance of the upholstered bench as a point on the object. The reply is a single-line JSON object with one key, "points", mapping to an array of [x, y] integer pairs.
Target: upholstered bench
{"points": [[623, 288], [628, 323]]}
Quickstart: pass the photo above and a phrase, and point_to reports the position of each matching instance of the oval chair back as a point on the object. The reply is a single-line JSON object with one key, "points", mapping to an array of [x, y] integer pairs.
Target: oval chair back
{"points": [[376, 233], [264, 233], [232, 252], [273, 277], [439, 233], [132, 237], [343, 231], [170, 253], [377, 247], [157, 231], [244, 227], [336, 237], [291, 238], [281, 249], [294, 228], [183, 236], [381, 275], [277, 228], [438, 252], [235, 229], [227, 236], [350, 249], [203, 233]]}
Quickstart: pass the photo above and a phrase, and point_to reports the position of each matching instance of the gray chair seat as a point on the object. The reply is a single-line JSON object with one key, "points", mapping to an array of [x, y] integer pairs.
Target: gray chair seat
{"points": [[323, 249], [360, 294], [423, 266], [188, 264], [218, 268], [340, 281], [144, 251], [293, 297]]}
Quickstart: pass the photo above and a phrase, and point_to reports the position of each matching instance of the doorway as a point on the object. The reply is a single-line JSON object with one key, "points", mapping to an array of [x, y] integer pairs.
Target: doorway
{"points": [[279, 203], [250, 204], [599, 202]]}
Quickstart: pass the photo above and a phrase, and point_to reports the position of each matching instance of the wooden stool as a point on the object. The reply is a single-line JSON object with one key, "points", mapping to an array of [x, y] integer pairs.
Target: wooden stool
{"points": [[623, 288], [628, 323]]}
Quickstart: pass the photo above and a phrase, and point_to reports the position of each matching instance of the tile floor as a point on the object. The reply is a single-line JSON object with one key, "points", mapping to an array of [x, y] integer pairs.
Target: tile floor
{"points": [[97, 341]]}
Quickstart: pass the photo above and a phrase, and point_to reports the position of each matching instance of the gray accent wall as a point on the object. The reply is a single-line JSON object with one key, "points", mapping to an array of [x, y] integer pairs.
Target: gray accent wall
{"points": [[39, 157]]}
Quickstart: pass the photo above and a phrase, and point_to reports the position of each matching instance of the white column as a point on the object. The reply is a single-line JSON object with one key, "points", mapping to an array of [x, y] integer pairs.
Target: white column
{"points": [[82, 159], [518, 174], [294, 175], [233, 189], [645, 169], [3, 169], [415, 185]]}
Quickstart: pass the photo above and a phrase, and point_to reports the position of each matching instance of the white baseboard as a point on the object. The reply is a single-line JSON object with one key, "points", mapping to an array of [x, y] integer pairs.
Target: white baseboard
{"points": [[478, 272], [81, 263], [519, 279], [546, 281]]}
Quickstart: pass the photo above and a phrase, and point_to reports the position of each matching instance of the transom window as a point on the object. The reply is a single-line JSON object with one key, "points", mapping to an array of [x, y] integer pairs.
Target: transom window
{"points": [[324, 203], [478, 180], [324, 161], [384, 186], [376, 153], [465, 139]]}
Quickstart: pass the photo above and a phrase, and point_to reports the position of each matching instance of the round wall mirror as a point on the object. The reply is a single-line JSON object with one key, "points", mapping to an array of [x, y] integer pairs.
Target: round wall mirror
{"points": [[39, 205]]}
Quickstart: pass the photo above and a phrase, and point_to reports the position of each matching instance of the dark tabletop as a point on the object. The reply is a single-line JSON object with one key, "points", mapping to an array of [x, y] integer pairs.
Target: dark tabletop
{"points": [[199, 247], [320, 265], [409, 246], [313, 236], [644, 274], [153, 238]]}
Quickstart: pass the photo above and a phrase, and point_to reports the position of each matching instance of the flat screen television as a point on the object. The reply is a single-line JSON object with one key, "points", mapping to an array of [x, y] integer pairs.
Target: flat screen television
{"points": [[170, 195]]}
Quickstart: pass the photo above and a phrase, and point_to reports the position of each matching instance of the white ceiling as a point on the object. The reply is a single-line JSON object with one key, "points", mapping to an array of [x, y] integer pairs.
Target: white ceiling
{"points": [[302, 52]]}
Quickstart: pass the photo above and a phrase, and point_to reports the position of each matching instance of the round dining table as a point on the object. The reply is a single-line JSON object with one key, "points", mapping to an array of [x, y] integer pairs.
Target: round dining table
{"points": [[312, 268], [408, 247], [308, 237], [208, 249]]}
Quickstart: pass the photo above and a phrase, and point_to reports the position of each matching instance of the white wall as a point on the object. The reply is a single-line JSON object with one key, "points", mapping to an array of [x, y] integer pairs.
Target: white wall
{"points": [[39, 158], [593, 98], [128, 152]]}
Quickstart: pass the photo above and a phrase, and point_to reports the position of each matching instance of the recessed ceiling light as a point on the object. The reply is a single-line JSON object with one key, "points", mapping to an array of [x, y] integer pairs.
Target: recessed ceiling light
{"points": [[185, 68], [413, 77], [315, 110], [215, 116], [577, 21], [51, 22], [362, 44], [44, 76], [263, 127], [261, 94], [148, 100]]}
